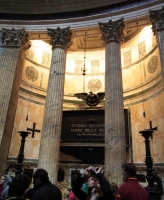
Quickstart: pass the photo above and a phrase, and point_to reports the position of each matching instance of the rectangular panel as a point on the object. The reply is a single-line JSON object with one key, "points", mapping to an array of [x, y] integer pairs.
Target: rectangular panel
{"points": [[86, 126]]}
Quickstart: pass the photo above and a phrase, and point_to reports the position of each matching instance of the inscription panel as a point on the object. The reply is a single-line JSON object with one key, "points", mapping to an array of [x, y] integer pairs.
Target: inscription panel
{"points": [[86, 126], [83, 126]]}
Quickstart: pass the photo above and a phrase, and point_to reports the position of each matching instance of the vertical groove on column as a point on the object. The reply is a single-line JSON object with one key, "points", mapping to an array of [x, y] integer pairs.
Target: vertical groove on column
{"points": [[9, 99], [7, 69], [50, 141], [114, 114]]}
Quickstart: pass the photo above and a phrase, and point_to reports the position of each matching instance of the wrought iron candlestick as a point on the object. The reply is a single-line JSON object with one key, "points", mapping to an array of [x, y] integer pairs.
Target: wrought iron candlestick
{"points": [[153, 190], [20, 158]]}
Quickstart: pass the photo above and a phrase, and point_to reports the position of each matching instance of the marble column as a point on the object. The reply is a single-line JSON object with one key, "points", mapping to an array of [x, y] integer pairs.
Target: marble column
{"points": [[115, 149], [51, 129], [13, 44], [157, 20]]}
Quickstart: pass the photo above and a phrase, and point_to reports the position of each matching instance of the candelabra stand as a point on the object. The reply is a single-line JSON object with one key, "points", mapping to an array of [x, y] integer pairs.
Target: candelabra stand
{"points": [[153, 190], [20, 158]]}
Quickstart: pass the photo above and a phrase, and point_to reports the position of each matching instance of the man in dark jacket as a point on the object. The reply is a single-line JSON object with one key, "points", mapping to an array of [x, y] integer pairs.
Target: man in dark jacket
{"points": [[131, 189], [44, 189]]}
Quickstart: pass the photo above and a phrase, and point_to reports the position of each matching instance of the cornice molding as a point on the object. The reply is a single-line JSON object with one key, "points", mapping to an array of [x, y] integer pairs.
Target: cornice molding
{"points": [[130, 14]]}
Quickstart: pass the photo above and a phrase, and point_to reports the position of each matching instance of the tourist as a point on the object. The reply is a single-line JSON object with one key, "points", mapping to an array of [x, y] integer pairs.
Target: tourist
{"points": [[44, 188], [18, 186], [101, 187], [4, 186], [76, 192], [131, 189]]}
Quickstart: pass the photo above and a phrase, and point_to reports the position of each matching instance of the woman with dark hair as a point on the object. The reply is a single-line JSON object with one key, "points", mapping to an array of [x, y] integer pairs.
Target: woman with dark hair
{"points": [[18, 186], [76, 192], [4, 186]]}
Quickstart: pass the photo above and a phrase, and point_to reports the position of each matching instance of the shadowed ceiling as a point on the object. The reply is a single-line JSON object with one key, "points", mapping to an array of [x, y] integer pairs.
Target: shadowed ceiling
{"points": [[51, 6]]}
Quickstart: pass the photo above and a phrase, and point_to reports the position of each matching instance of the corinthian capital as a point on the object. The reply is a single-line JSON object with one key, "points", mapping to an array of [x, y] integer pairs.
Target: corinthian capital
{"points": [[14, 37], [157, 19], [60, 37], [112, 31]]}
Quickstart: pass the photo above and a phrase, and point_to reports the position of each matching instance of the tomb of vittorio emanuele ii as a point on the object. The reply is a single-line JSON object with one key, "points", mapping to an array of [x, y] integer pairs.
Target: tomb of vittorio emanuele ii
{"points": [[83, 78]]}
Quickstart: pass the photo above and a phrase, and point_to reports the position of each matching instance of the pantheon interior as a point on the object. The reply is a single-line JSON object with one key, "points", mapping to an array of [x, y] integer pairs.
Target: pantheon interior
{"points": [[84, 79]]}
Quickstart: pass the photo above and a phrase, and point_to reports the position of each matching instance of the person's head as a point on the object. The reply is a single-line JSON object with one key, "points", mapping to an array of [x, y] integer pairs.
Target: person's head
{"points": [[75, 182], [129, 170], [19, 185], [5, 180], [2, 180], [29, 175], [40, 176], [93, 182]]}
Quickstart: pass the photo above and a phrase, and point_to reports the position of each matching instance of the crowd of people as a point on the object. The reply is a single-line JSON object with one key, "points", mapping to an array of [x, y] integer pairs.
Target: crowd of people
{"points": [[97, 187]]}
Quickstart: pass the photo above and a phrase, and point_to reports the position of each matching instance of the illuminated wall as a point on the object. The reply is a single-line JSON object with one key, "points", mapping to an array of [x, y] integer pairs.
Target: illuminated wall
{"points": [[142, 84]]}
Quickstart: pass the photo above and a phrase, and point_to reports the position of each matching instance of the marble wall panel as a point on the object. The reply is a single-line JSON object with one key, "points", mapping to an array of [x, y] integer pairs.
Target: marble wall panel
{"points": [[73, 84], [133, 76], [40, 52], [72, 59], [35, 75], [154, 112], [139, 46], [35, 115]]}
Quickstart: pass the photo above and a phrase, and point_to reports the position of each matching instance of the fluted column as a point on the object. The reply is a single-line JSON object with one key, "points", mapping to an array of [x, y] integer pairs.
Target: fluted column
{"points": [[157, 20], [112, 35], [13, 44], [51, 129]]}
